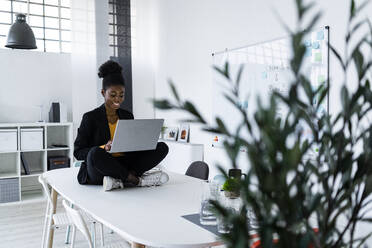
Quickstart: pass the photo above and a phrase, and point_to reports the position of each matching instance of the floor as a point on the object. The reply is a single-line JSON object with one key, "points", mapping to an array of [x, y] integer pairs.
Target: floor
{"points": [[21, 226]]}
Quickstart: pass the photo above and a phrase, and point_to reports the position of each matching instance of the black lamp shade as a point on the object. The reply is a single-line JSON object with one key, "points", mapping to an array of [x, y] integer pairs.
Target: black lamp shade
{"points": [[20, 35]]}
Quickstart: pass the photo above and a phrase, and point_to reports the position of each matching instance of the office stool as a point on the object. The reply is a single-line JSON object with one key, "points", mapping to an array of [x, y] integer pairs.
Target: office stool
{"points": [[79, 223]]}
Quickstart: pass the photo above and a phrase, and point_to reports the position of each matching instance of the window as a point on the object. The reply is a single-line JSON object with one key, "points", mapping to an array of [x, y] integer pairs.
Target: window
{"points": [[50, 21], [120, 18]]}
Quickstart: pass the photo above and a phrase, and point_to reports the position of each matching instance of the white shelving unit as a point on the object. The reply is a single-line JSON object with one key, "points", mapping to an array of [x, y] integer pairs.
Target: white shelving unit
{"points": [[11, 169]]}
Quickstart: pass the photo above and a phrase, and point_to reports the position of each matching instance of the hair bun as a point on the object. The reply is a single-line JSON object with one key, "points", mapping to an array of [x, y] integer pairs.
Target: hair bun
{"points": [[109, 67]]}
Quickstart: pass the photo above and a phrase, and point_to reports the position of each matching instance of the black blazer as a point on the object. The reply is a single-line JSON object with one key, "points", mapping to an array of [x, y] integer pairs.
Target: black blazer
{"points": [[93, 131]]}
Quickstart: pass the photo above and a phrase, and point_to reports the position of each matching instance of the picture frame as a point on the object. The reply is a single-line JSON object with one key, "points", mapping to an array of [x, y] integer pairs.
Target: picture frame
{"points": [[184, 133], [171, 133]]}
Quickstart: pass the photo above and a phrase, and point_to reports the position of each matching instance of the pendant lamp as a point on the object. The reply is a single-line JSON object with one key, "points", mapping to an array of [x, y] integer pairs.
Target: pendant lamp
{"points": [[20, 34]]}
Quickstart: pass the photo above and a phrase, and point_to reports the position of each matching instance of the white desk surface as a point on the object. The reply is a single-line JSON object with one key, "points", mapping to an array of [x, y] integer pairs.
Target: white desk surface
{"points": [[144, 215]]}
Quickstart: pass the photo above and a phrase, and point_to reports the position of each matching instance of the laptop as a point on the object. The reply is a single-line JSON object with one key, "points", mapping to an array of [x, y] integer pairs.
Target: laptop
{"points": [[136, 135]]}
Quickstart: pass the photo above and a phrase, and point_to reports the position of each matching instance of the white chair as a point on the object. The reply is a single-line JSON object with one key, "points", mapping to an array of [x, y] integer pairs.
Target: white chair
{"points": [[79, 223], [59, 219], [78, 163]]}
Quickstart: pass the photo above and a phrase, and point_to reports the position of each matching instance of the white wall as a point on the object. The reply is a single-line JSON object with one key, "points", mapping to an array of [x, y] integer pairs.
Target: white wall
{"points": [[144, 30], [188, 31], [102, 41], [83, 59], [30, 79]]}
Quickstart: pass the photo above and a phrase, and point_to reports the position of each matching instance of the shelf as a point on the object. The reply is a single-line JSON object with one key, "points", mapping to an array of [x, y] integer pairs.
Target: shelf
{"points": [[35, 124], [32, 195], [39, 150], [11, 161], [8, 152], [9, 175], [58, 124], [59, 152], [30, 124], [9, 165], [34, 160], [58, 149], [32, 174], [56, 135]]}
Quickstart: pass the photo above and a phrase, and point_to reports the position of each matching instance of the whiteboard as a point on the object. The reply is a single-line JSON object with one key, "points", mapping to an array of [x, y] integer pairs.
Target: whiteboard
{"points": [[267, 69]]}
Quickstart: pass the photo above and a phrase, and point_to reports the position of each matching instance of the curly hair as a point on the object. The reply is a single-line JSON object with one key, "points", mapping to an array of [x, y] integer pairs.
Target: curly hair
{"points": [[111, 72]]}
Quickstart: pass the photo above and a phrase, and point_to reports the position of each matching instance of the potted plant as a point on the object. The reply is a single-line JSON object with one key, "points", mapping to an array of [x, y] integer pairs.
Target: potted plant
{"points": [[231, 188], [284, 188], [162, 132]]}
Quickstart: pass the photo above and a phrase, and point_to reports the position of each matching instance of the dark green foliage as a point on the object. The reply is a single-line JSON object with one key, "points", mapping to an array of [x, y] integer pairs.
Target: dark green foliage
{"points": [[231, 184], [284, 187]]}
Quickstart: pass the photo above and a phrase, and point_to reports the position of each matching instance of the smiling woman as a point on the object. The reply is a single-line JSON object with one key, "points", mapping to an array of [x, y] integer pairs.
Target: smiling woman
{"points": [[112, 88], [95, 135]]}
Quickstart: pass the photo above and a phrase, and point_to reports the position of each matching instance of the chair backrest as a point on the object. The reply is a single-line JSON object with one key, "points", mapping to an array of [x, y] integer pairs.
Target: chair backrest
{"points": [[46, 189], [78, 221], [198, 169]]}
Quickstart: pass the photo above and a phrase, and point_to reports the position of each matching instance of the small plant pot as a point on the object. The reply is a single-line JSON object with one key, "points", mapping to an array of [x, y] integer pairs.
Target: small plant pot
{"points": [[232, 194]]}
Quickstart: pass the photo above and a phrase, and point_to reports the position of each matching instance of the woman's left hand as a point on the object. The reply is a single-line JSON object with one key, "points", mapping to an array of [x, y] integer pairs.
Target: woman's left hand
{"points": [[108, 146]]}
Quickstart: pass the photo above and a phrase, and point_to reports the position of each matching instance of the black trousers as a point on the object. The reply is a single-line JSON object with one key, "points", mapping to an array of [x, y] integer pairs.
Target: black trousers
{"points": [[101, 163]]}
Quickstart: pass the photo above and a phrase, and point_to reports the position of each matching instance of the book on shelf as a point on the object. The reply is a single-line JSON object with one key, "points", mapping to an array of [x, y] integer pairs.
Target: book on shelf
{"points": [[25, 164]]}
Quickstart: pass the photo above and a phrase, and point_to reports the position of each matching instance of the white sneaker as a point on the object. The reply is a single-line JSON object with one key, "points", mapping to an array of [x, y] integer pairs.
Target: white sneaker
{"points": [[110, 183], [153, 179]]}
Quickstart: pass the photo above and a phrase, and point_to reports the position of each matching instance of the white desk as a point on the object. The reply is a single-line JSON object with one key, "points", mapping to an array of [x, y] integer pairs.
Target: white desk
{"points": [[142, 215]]}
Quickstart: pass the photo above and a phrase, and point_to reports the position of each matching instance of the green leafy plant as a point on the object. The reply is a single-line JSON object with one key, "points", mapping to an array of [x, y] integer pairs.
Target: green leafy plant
{"points": [[301, 201], [162, 131], [231, 184]]}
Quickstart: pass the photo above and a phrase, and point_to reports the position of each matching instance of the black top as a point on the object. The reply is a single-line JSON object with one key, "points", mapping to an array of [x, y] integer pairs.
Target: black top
{"points": [[93, 131]]}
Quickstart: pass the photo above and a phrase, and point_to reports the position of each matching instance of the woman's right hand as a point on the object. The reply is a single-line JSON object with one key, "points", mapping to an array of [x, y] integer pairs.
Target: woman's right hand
{"points": [[108, 145]]}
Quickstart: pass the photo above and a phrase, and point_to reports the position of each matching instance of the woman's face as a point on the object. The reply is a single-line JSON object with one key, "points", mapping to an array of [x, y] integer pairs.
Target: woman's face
{"points": [[114, 96]]}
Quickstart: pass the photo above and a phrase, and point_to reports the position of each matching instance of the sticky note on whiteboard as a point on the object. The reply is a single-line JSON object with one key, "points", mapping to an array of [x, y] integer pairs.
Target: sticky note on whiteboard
{"points": [[321, 79], [264, 75], [318, 57], [320, 35], [316, 45]]}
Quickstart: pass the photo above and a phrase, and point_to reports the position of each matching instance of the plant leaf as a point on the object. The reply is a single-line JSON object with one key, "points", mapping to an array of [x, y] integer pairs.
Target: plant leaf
{"points": [[238, 77], [224, 72], [358, 61], [352, 10], [188, 106], [221, 126], [354, 29], [162, 104], [338, 56], [314, 21], [174, 91]]}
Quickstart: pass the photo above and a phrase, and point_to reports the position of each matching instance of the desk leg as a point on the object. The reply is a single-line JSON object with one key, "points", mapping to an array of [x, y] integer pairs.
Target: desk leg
{"points": [[54, 200], [136, 245]]}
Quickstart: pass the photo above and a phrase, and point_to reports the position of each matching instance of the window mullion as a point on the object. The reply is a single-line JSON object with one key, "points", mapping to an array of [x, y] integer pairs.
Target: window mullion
{"points": [[28, 11], [44, 26], [50, 22], [11, 11], [59, 26], [115, 27]]}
